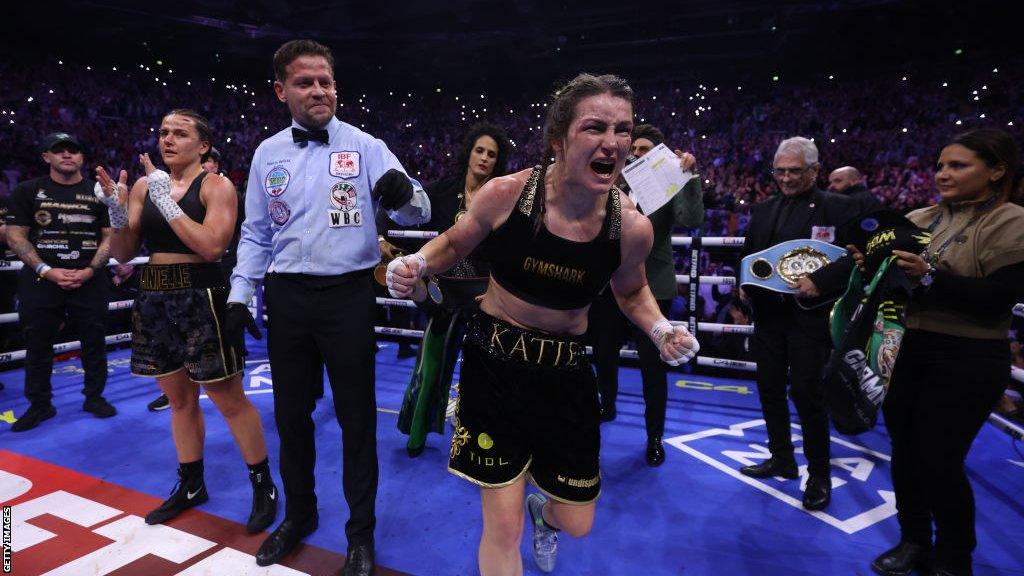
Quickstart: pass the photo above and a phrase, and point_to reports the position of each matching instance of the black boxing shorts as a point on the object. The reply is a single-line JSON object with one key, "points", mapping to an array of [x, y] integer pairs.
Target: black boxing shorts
{"points": [[527, 405], [177, 322]]}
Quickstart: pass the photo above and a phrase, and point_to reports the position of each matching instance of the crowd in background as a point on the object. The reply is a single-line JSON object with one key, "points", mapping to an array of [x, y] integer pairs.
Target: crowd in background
{"points": [[890, 126]]}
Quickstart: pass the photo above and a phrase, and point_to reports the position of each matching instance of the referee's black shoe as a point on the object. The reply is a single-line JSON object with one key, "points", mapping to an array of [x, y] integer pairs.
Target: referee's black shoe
{"points": [[774, 466], [35, 414], [903, 559], [285, 538], [359, 560], [187, 493]]}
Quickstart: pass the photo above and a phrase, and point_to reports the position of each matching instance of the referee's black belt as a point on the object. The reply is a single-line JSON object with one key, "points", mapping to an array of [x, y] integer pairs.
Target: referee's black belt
{"points": [[314, 282]]}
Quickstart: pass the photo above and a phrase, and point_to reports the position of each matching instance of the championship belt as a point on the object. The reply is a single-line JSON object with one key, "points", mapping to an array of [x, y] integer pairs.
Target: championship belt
{"points": [[776, 267]]}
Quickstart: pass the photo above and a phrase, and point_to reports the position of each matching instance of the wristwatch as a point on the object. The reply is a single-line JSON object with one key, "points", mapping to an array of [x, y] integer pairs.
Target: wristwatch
{"points": [[928, 277]]}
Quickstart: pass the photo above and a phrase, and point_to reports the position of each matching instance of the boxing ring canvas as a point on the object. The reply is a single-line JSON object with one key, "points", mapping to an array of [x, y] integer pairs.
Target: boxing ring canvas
{"points": [[77, 487]]}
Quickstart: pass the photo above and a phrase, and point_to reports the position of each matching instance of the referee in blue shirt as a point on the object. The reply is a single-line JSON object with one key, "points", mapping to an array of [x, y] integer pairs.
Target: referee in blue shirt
{"points": [[309, 229]]}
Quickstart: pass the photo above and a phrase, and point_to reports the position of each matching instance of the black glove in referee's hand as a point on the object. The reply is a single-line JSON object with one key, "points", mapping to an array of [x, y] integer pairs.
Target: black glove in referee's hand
{"points": [[393, 190], [237, 320]]}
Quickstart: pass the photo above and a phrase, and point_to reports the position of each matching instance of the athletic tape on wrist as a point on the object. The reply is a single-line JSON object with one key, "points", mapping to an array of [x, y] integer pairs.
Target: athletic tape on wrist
{"points": [[118, 213], [160, 193]]}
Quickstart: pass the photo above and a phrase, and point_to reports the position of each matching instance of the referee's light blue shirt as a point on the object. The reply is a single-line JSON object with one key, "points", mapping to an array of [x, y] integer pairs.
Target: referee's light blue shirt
{"points": [[308, 209]]}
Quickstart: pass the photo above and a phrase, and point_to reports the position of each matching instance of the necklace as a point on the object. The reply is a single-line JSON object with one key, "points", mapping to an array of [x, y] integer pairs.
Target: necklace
{"points": [[980, 211]]}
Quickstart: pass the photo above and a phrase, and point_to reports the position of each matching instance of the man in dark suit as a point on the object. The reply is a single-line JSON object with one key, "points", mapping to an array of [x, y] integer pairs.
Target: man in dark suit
{"points": [[791, 340], [849, 182]]}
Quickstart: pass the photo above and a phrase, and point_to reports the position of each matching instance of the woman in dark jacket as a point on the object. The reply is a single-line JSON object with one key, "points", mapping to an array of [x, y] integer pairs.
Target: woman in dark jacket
{"points": [[450, 299]]}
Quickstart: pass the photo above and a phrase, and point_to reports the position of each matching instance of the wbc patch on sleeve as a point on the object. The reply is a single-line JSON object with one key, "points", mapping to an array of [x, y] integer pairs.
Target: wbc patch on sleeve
{"points": [[344, 164]]}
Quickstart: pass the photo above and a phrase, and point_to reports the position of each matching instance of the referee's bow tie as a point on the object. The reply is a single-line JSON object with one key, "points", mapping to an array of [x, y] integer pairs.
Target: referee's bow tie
{"points": [[302, 137]]}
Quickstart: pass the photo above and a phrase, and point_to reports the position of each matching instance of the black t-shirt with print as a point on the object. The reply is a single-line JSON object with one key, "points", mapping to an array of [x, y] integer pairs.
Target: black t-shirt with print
{"points": [[65, 222]]}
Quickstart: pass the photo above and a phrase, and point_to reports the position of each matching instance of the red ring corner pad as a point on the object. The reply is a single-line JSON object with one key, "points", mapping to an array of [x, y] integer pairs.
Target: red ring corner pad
{"points": [[64, 522]]}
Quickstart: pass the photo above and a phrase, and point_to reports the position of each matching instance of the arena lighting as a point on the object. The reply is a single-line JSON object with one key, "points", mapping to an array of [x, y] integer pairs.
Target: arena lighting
{"points": [[51, 91], [982, 116], [228, 140], [1010, 123], [88, 68], [945, 84], [438, 90], [844, 130], [904, 130], [904, 78], [775, 78], [159, 62], [958, 51], [114, 68], [61, 62], [958, 122], [31, 98], [995, 70], [832, 140]]}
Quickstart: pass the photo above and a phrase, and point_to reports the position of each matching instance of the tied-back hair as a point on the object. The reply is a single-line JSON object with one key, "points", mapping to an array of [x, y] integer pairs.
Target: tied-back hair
{"points": [[562, 111], [995, 147], [475, 132], [202, 127]]}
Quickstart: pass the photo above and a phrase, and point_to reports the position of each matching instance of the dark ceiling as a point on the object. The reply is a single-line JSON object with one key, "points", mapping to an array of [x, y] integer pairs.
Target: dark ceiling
{"points": [[478, 41]]}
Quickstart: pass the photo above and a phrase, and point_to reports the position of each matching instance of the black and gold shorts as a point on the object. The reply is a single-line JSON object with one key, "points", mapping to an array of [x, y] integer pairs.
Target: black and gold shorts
{"points": [[177, 322], [527, 405]]}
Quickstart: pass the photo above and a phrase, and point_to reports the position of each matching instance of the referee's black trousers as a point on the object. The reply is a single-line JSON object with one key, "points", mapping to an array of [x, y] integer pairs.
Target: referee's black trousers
{"points": [[318, 320], [791, 356], [42, 309], [941, 393]]}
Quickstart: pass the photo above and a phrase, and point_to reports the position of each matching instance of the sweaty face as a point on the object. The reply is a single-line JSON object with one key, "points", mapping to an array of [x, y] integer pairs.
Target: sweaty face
{"points": [[597, 143], [65, 159], [483, 157], [961, 175], [793, 175], [641, 146], [179, 141], [309, 91]]}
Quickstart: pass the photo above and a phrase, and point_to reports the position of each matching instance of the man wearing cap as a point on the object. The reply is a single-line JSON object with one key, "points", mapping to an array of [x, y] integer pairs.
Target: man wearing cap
{"points": [[791, 341], [59, 229]]}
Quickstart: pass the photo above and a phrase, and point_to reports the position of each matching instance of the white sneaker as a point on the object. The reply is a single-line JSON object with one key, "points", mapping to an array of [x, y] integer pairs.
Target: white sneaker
{"points": [[545, 540]]}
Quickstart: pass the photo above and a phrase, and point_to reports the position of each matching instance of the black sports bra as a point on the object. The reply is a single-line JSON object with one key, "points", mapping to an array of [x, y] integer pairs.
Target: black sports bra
{"points": [[548, 270]]}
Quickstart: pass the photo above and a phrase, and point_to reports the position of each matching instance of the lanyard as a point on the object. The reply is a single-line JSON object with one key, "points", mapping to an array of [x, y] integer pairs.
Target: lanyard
{"points": [[980, 211]]}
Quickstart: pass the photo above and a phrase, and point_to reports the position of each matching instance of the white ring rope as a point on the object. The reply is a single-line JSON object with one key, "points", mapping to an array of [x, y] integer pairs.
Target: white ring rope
{"points": [[16, 355], [14, 265], [13, 317]]}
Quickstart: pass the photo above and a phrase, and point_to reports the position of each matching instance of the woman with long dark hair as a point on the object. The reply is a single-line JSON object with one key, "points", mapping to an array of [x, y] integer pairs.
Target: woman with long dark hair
{"points": [[452, 297]]}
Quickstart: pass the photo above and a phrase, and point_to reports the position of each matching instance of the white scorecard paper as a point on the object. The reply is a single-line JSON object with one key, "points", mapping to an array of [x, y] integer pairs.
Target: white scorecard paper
{"points": [[655, 178]]}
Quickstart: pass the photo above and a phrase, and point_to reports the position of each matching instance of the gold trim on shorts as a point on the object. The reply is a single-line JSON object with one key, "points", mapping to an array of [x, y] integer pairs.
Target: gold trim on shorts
{"points": [[465, 476], [563, 500]]}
